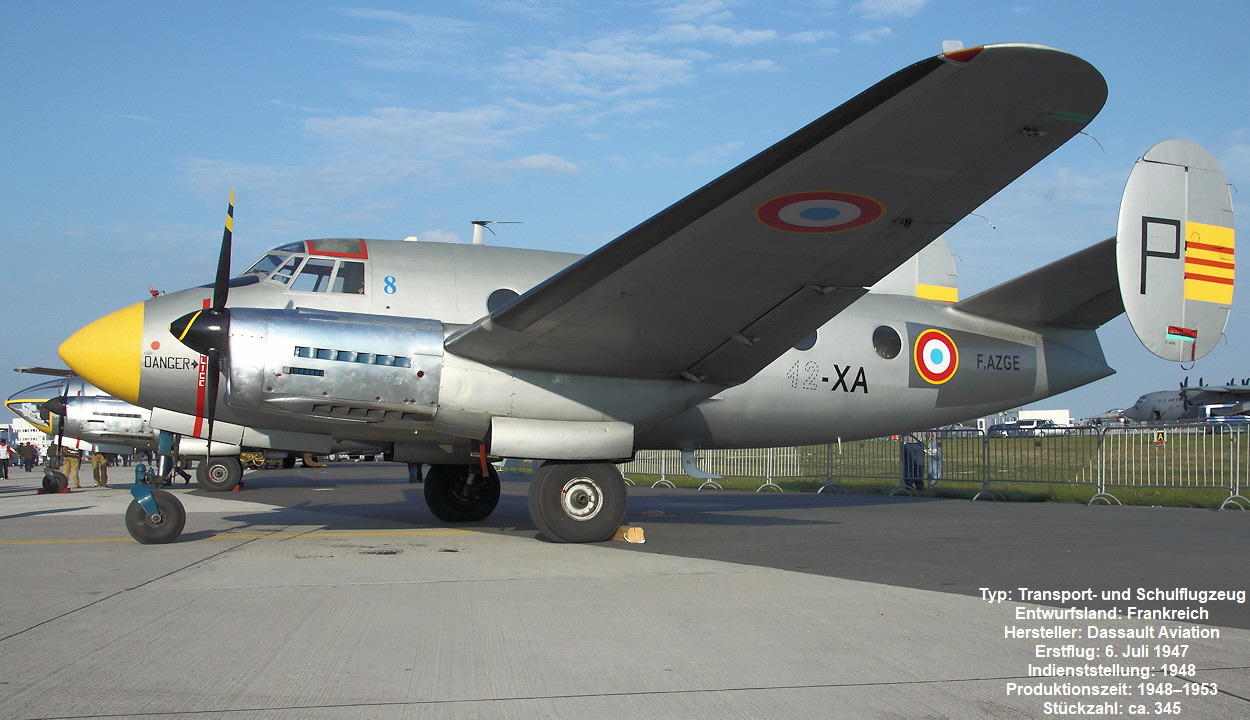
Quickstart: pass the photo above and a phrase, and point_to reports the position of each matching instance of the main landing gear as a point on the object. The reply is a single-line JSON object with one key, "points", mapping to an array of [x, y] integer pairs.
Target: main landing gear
{"points": [[461, 493], [569, 502], [578, 502], [219, 474]]}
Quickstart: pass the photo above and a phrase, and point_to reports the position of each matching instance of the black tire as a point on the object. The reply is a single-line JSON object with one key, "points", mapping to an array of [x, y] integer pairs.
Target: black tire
{"points": [[54, 481], [578, 503], [154, 532], [288, 462], [459, 493], [219, 474]]}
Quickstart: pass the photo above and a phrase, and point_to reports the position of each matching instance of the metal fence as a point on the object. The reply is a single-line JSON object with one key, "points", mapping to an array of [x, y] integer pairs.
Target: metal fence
{"points": [[1105, 459]]}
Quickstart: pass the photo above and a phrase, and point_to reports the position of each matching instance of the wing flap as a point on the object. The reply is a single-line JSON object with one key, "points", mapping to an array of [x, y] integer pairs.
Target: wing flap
{"points": [[837, 205]]}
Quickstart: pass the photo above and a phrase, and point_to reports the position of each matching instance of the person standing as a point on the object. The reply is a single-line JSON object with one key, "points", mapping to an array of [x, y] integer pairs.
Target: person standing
{"points": [[70, 460], [26, 453], [6, 453], [100, 469]]}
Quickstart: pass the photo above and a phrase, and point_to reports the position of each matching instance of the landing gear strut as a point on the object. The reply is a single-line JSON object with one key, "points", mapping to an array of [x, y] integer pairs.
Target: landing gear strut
{"points": [[155, 516], [461, 493], [583, 502]]}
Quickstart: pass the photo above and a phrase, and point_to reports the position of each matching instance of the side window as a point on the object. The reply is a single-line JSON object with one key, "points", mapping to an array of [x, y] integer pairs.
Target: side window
{"points": [[887, 342], [351, 278], [315, 276]]}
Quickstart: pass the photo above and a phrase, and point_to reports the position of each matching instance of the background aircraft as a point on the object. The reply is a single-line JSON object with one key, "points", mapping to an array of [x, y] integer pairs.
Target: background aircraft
{"points": [[738, 317], [1192, 402], [79, 415]]}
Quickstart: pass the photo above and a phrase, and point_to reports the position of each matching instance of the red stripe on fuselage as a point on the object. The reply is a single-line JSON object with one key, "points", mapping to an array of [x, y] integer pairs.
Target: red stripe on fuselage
{"points": [[201, 388]]}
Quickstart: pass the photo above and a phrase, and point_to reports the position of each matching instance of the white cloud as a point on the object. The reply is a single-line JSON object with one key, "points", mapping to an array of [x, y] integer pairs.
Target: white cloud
{"points": [[609, 67], [717, 154], [410, 42], [543, 162], [811, 36], [761, 65], [438, 236], [687, 33], [873, 36], [430, 133], [690, 10], [880, 9]]}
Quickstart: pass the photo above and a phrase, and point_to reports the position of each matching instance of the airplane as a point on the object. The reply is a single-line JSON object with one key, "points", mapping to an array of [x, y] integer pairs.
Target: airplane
{"points": [[1192, 403], [740, 316], [80, 415]]}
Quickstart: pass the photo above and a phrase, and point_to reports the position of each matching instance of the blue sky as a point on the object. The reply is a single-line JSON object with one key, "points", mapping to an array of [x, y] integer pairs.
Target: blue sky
{"points": [[125, 125]]}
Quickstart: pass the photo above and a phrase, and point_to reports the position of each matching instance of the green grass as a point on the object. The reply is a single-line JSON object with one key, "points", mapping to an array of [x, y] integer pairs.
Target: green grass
{"points": [[1186, 470], [1193, 470], [1011, 491]]}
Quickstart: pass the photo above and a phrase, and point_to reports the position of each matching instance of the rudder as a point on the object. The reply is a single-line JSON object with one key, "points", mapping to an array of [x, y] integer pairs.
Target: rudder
{"points": [[1174, 250]]}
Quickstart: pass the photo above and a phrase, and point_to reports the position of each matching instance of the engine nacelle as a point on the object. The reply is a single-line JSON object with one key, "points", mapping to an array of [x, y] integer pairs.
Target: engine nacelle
{"points": [[104, 420], [330, 364]]}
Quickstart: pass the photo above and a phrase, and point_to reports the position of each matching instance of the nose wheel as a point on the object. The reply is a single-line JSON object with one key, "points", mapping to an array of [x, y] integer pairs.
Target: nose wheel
{"points": [[163, 526], [54, 481]]}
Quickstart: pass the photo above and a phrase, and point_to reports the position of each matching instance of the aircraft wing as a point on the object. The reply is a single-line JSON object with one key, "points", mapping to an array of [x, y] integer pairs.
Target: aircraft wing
{"points": [[1215, 394], [727, 279]]}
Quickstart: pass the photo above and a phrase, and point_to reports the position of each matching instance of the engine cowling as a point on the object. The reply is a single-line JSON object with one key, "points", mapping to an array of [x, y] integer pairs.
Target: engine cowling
{"points": [[371, 368]]}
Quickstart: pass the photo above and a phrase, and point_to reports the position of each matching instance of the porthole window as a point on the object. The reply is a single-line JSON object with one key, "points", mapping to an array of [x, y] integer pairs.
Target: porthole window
{"points": [[806, 343], [887, 342]]}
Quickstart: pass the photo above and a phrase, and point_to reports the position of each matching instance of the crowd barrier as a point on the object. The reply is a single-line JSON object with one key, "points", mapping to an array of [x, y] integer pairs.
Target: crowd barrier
{"points": [[1107, 460]]}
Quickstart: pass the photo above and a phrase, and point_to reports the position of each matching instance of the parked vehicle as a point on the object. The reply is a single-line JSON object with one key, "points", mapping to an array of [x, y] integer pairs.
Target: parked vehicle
{"points": [[1218, 424]]}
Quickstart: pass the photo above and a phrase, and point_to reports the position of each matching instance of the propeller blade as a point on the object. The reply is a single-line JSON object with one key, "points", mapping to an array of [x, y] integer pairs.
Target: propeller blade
{"points": [[208, 330], [221, 286], [212, 375]]}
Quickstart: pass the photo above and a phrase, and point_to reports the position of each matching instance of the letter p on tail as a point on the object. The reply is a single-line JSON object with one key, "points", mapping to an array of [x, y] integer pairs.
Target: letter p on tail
{"points": [[1174, 249]]}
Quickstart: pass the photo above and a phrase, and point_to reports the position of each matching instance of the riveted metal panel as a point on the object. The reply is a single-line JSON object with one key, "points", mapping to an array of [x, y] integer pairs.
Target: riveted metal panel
{"points": [[342, 364]]}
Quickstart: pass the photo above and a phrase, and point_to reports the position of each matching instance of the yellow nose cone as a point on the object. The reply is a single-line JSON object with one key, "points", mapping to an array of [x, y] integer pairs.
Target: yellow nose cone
{"points": [[108, 353]]}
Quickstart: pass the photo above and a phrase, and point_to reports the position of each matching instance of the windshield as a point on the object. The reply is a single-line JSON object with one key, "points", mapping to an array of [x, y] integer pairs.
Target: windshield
{"points": [[323, 272]]}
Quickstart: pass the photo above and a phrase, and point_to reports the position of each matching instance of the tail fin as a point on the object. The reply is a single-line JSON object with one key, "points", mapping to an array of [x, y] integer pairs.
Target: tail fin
{"points": [[929, 274], [1174, 250]]}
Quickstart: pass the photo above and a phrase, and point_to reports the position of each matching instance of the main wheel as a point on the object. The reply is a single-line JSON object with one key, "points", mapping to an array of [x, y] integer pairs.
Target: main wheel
{"points": [[165, 527], [578, 502], [219, 474], [54, 481], [460, 493]]}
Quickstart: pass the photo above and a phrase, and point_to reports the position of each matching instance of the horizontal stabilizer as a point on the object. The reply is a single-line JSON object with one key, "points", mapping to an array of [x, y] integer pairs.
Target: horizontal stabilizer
{"points": [[1078, 291], [1175, 250]]}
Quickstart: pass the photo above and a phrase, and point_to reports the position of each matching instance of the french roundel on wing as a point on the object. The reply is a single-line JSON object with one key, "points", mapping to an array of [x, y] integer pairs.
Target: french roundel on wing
{"points": [[936, 356], [819, 212]]}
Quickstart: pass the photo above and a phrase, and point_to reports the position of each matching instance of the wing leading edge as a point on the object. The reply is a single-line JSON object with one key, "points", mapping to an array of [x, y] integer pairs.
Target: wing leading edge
{"points": [[725, 280]]}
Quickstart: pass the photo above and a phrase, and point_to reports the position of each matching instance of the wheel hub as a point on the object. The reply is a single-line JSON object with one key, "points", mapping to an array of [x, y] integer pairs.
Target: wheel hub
{"points": [[581, 498]]}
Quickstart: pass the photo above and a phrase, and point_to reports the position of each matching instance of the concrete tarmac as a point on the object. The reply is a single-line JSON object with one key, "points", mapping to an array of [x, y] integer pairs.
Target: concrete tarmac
{"points": [[332, 592]]}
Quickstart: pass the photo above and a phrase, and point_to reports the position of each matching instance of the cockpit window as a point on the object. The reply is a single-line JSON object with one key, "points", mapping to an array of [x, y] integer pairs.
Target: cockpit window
{"points": [[287, 271], [351, 278], [315, 277], [266, 265], [328, 270]]}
